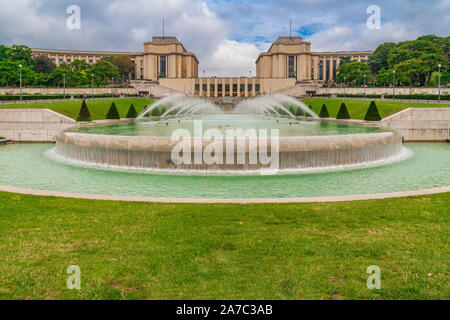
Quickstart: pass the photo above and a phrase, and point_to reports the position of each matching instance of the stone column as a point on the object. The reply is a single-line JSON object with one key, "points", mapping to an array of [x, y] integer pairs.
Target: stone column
{"points": [[253, 87], [223, 87], [208, 87], [246, 87], [216, 92]]}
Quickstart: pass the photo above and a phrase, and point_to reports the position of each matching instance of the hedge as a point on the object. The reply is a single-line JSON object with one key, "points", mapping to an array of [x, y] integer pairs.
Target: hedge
{"points": [[343, 112], [16, 97], [324, 112], [113, 113], [84, 114], [132, 112]]}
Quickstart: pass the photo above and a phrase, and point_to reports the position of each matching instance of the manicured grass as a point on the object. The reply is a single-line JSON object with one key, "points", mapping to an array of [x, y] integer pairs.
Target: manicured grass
{"points": [[199, 251], [98, 108], [358, 108]]}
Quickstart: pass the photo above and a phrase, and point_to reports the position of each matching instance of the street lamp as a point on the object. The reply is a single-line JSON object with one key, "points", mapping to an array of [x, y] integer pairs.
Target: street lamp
{"points": [[112, 88], [92, 85], [203, 73], [393, 84], [250, 72], [20, 81], [364, 85], [64, 83], [344, 87], [439, 86]]}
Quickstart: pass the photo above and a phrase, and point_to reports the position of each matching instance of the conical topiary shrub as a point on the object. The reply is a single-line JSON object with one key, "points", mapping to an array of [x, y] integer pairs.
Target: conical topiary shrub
{"points": [[84, 114], [372, 113], [343, 112], [299, 112], [155, 112], [324, 112], [113, 113], [132, 112]]}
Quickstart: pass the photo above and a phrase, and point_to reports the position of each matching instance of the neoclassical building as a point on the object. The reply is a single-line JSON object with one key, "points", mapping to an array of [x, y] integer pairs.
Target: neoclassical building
{"points": [[288, 65]]}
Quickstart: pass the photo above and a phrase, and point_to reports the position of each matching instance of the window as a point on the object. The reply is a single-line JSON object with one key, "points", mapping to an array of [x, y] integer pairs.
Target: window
{"points": [[205, 87], [91, 61], [242, 87], [257, 87], [69, 61], [291, 67], [197, 87], [211, 88], [249, 88], [162, 67], [227, 88], [234, 87], [327, 70], [60, 60], [53, 60], [219, 87]]}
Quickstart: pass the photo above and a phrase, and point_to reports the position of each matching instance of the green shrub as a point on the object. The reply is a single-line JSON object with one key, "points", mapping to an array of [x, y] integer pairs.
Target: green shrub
{"points": [[324, 112], [343, 112], [132, 112], [113, 113], [156, 112], [372, 113], [84, 114], [299, 112]]}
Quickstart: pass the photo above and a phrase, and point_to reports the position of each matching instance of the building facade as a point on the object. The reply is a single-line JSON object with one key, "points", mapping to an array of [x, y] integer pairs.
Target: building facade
{"points": [[165, 62]]}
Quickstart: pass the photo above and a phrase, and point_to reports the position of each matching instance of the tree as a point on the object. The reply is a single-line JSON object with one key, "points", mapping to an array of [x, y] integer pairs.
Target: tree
{"points": [[324, 112], [80, 65], [353, 72], [156, 112], [343, 112], [124, 65], [378, 59], [299, 112], [132, 112], [372, 113], [21, 53], [104, 70], [43, 64], [113, 113], [84, 114]]}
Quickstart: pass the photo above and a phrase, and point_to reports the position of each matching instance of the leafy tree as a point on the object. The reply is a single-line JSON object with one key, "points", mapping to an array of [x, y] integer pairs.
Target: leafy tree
{"points": [[104, 70], [353, 72], [132, 112], [372, 113], [324, 112], [43, 64], [113, 113], [343, 112], [344, 60], [124, 66], [378, 59], [21, 53], [84, 114], [80, 65]]}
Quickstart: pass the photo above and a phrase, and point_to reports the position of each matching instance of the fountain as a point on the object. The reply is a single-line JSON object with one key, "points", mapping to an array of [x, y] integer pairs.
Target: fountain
{"points": [[261, 134]]}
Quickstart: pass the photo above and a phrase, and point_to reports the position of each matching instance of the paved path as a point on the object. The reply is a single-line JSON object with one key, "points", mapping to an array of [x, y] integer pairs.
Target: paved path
{"points": [[443, 102], [239, 201]]}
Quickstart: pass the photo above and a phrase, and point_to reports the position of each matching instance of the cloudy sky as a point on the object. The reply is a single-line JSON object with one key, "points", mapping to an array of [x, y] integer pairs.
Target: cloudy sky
{"points": [[226, 35]]}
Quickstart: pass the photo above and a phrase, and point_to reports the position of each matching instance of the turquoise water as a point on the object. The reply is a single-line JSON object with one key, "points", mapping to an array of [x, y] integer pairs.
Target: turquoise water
{"points": [[286, 127], [27, 166]]}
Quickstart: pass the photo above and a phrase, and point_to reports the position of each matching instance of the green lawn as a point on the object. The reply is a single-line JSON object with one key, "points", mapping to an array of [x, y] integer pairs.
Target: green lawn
{"points": [[358, 108], [98, 108], [206, 251]]}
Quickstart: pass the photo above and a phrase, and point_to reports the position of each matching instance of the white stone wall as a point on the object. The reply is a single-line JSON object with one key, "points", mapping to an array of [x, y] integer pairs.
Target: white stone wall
{"points": [[405, 91], [32, 125], [421, 124]]}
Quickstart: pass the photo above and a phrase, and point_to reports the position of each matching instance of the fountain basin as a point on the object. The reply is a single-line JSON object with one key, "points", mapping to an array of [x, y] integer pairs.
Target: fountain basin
{"points": [[143, 152]]}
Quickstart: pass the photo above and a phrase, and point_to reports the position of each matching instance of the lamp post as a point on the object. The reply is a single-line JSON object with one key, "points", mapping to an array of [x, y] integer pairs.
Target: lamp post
{"points": [[203, 73], [64, 83], [112, 88], [344, 87], [393, 85], [439, 85], [20, 80], [364, 85], [92, 85], [250, 72]]}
